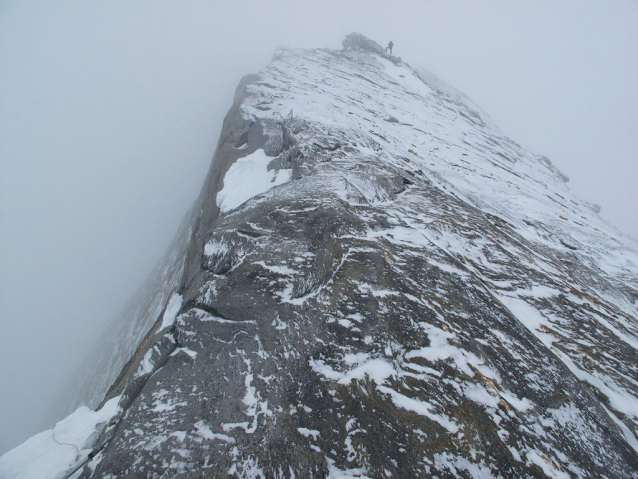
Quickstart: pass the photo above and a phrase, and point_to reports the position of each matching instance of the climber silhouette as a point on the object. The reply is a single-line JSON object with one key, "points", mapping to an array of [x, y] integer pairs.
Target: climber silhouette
{"points": [[389, 47]]}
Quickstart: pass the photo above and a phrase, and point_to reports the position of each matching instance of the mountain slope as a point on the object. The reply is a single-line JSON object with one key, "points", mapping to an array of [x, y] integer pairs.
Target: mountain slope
{"points": [[378, 283]]}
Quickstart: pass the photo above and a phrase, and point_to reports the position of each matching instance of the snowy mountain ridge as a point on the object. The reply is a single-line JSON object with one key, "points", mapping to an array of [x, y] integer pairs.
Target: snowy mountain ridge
{"points": [[376, 282]]}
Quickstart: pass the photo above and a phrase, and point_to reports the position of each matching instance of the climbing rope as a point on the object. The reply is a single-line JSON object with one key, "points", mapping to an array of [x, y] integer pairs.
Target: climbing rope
{"points": [[77, 450]]}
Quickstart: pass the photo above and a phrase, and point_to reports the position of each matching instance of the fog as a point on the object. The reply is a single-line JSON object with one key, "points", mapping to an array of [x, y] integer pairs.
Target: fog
{"points": [[110, 113]]}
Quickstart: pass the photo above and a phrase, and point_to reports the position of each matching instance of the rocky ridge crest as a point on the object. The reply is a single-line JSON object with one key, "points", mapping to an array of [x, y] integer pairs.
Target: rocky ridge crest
{"points": [[405, 292]]}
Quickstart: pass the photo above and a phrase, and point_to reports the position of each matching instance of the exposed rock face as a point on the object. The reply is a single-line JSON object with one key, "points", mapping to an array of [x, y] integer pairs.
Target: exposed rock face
{"points": [[417, 296], [356, 40]]}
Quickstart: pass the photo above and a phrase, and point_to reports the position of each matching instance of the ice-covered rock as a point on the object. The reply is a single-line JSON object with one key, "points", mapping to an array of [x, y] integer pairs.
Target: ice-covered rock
{"points": [[376, 282]]}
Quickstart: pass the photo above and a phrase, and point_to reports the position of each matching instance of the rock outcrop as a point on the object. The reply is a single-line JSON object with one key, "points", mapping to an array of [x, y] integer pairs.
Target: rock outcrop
{"points": [[376, 282]]}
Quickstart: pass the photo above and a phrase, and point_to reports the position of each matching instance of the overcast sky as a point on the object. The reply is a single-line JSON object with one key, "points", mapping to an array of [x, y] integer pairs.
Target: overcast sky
{"points": [[110, 113]]}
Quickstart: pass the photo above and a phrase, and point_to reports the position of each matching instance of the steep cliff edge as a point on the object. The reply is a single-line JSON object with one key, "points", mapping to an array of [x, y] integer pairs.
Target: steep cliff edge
{"points": [[376, 282]]}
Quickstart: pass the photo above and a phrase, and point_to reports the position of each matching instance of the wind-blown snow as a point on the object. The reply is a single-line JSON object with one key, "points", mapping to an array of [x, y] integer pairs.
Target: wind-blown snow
{"points": [[49, 454]]}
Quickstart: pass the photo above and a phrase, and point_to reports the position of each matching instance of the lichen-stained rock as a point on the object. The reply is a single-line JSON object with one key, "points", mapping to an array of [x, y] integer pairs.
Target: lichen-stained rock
{"points": [[423, 298]]}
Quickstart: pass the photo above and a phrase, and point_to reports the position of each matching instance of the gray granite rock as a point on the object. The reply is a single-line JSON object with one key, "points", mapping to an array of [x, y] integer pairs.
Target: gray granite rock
{"points": [[423, 298]]}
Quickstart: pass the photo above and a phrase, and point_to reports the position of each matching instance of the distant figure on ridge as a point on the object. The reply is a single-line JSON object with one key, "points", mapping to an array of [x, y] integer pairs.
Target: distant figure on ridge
{"points": [[389, 47]]}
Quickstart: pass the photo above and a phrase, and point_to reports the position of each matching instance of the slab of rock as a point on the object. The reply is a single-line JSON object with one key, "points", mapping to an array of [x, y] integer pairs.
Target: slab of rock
{"points": [[414, 300]]}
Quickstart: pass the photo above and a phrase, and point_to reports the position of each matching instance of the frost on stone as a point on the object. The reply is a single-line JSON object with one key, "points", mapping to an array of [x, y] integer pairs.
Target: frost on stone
{"points": [[393, 288]]}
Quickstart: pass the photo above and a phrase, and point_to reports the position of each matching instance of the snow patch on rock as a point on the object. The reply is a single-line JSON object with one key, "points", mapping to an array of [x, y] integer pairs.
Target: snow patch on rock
{"points": [[52, 453], [172, 309], [248, 177]]}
